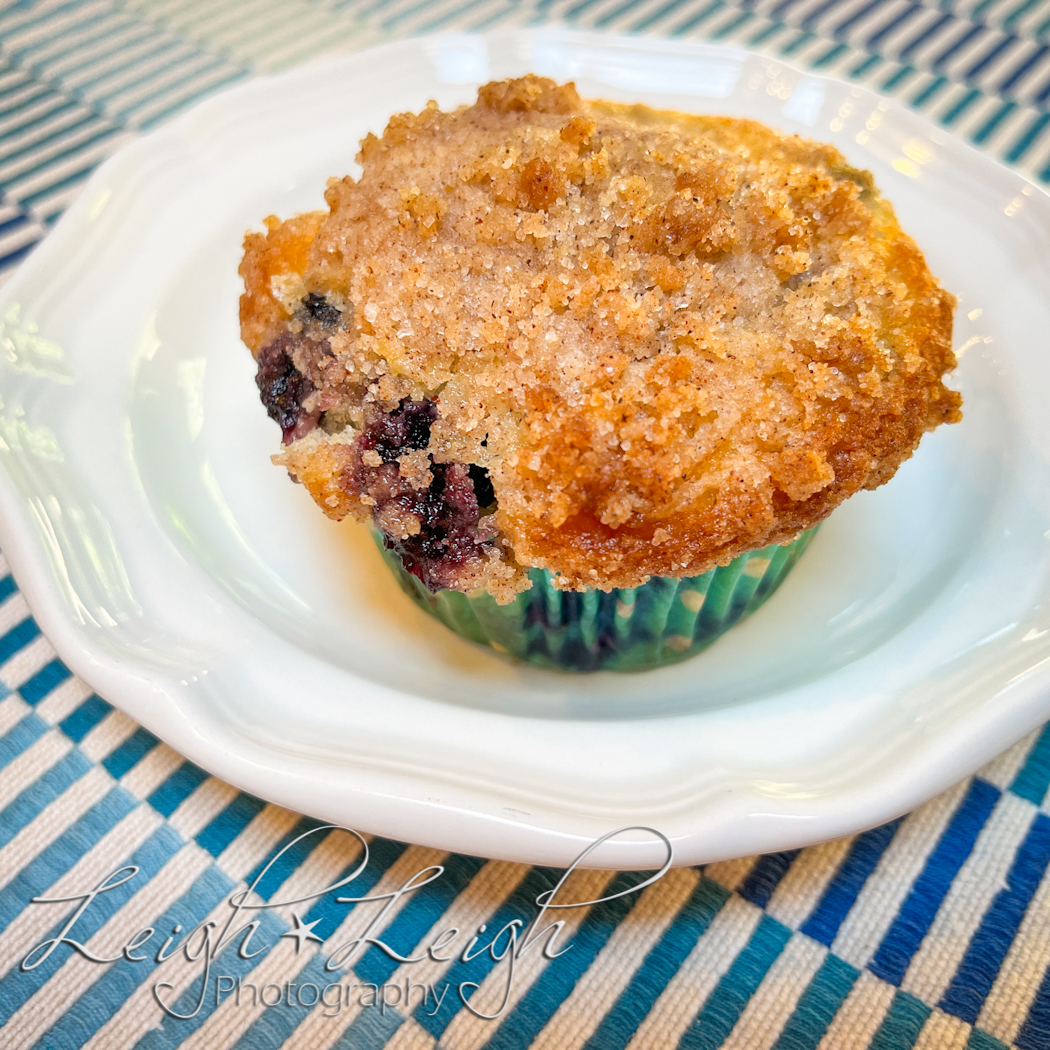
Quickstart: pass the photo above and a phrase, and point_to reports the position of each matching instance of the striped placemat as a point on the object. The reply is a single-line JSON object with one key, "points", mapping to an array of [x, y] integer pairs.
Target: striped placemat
{"points": [[932, 931]]}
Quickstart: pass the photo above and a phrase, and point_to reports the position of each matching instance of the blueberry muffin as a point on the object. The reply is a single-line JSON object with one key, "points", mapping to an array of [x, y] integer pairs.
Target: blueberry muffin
{"points": [[576, 349]]}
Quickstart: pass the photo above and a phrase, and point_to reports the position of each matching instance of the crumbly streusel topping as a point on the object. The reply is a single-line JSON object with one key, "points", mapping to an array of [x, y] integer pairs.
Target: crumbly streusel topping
{"points": [[663, 340]]}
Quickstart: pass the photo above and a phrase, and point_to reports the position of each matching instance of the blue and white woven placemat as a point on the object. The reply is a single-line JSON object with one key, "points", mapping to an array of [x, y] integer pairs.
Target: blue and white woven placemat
{"points": [[931, 932]]}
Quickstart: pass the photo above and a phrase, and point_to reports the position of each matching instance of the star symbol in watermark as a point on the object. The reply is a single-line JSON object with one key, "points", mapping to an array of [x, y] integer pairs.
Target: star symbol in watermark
{"points": [[303, 932]]}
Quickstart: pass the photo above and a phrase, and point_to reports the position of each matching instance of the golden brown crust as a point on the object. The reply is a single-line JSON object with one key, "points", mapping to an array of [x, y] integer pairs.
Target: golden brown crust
{"points": [[272, 271], [669, 339], [318, 464]]}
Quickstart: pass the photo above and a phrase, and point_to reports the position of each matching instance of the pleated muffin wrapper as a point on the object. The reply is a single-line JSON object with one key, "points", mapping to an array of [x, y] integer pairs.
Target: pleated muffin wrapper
{"points": [[661, 622]]}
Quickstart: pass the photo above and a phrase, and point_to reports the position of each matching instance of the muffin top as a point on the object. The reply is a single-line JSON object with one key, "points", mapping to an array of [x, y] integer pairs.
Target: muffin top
{"points": [[604, 340]]}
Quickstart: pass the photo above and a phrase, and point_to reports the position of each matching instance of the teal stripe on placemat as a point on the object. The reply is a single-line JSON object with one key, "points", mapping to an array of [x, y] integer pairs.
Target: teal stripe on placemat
{"points": [[41, 793], [901, 1026], [733, 992], [43, 682], [764, 877], [217, 835], [383, 853], [284, 858], [659, 967], [841, 893], [419, 914], [102, 1000], [130, 753], [84, 718], [370, 1031], [983, 1041], [521, 904], [22, 735], [742, 22], [177, 788], [697, 20], [206, 893], [1021, 147], [960, 107], [556, 982], [989, 127], [17, 638], [1033, 778], [817, 1005], [17, 986], [651, 18], [1035, 1032], [56, 859], [192, 92], [1028, 62]]}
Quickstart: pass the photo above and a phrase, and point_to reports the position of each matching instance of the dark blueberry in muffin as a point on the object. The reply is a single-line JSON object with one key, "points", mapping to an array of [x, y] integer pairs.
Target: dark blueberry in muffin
{"points": [[283, 389], [318, 308], [430, 517]]}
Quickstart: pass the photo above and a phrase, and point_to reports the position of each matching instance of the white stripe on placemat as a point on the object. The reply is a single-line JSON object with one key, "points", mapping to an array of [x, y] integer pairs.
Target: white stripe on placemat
{"points": [[895, 23], [878, 902], [21, 30], [256, 839], [977, 113], [479, 900], [322, 866], [972, 890], [105, 737], [33, 922], [730, 874], [179, 95], [52, 821], [864, 25], [69, 982], [63, 700], [803, 886], [101, 79], [13, 610], [1008, 131], [943, 1032], [34, 132], [26, 175], [467, 1032], [118, 91], [228, 1021], [32, 764], [151, 771], [120, 39], [767, 1011], [1026, 962], [696, 978], [594, 994], [859, 1017], [26, 662], [26, 116], [12, 710], [1037, 163], [201, 807], [411, 1035], [139, 1013]]}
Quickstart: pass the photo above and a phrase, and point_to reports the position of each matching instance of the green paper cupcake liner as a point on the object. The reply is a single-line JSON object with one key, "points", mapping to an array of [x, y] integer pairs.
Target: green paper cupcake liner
{"points": [[662, 622]]}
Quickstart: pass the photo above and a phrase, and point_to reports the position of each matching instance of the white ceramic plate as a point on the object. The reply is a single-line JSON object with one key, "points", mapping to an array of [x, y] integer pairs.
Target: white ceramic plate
{"points": [[191, 584]]}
